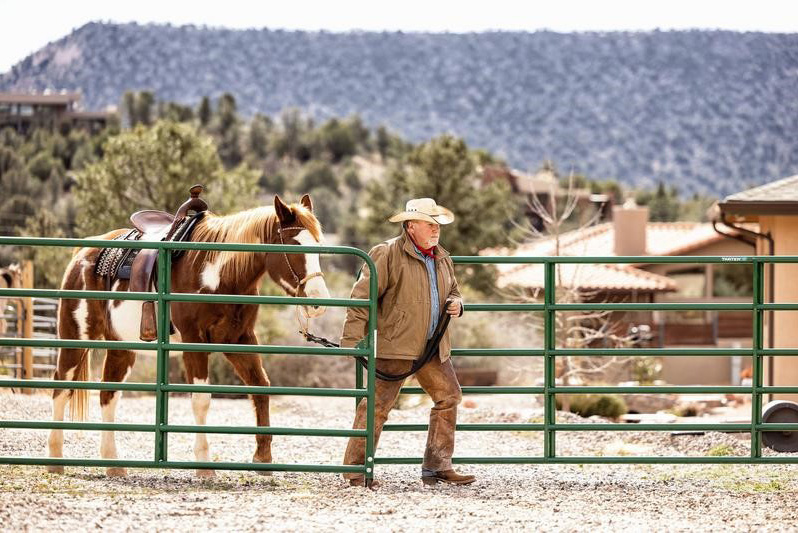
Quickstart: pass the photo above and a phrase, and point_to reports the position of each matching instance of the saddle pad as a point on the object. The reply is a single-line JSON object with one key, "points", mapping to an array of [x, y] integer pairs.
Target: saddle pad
{"points": [[110, 258], [116, 262]]}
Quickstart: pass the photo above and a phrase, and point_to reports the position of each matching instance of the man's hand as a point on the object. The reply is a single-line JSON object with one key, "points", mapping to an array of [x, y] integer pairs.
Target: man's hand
{"points": [[454, 308]]}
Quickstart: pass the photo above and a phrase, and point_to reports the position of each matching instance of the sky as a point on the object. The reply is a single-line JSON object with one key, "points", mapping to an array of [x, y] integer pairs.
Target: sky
{"points": [[26, 26]]}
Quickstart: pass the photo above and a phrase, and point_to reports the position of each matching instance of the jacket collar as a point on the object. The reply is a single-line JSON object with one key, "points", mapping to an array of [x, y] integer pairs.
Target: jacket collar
{"points": [[409, 247]]}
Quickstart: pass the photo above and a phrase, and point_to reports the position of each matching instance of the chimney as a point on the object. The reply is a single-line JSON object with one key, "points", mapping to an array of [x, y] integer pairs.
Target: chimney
{"points": [[629, 223]]}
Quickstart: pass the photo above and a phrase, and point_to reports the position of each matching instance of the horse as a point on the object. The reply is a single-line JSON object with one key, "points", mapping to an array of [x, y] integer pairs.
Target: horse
{"points": [[204, 272], [10, 278]]}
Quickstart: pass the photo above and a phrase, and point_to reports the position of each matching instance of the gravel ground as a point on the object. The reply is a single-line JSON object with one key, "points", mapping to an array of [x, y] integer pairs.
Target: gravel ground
{"points": [[505, 497]]}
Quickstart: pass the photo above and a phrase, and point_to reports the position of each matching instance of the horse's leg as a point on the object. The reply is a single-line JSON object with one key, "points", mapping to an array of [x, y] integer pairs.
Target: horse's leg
{"points": [[250, 370], [70, 361], [196, 364], [116, 368]]}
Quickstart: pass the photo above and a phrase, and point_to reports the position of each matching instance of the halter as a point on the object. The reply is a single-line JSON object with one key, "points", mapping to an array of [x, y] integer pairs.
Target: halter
{"points": [[299, 282]]}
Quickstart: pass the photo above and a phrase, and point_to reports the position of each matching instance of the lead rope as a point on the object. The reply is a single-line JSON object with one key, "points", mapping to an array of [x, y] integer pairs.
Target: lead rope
{"points": [[430, 350], [300, 314]]}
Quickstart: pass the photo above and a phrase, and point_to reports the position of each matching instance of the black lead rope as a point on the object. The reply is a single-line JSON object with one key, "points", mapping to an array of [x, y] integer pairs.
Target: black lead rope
{"points": [[430, 349]]}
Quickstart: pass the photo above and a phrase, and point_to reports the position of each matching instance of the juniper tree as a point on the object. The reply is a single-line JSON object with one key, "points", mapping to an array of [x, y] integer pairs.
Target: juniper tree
{"points": [[153, 168]]}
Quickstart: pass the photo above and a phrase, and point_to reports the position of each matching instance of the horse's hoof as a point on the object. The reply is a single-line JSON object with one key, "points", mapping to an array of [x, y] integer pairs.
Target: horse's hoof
{"points": [[55, 469], [116, 471], [206, 474], [266, 473]]}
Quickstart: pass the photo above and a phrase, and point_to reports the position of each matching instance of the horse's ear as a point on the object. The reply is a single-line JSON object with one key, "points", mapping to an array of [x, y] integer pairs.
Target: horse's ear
{"points": [[306, 202], [283, 212]]}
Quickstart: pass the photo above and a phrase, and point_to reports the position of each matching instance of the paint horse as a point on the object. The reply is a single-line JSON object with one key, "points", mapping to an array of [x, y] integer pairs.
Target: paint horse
{"points": [[204, 272]]}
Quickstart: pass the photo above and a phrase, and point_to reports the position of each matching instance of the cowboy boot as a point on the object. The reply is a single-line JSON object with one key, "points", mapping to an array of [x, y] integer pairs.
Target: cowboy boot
{"points": [[430, 477]]}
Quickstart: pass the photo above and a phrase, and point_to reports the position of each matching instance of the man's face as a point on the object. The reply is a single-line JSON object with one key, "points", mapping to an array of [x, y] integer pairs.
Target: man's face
{"points": [[425, 234]]}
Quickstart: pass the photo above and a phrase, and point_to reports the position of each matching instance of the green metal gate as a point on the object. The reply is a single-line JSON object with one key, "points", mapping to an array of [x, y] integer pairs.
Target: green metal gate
{"points": [[365, 387], [162, 388], [549, 352]]}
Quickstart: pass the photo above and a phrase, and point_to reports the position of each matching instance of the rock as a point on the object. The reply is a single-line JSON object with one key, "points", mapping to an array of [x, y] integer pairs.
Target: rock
{"points": [[647, 418], [649, 403]]}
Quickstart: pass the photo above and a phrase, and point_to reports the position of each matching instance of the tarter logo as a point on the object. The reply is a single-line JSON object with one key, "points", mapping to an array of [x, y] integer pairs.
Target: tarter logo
{"points": [[734, 259]]}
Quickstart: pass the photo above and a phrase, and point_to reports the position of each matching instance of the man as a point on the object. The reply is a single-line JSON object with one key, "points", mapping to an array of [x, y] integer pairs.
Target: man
{"points": [[415, 278]]}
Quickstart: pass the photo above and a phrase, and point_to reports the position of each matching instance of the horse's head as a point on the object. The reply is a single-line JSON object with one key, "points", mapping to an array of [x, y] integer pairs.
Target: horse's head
{"points": [[11, 277], [299, 274]]}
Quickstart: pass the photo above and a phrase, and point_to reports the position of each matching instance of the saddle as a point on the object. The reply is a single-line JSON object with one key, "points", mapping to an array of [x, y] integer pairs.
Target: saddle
{"points": [[138, 266]]}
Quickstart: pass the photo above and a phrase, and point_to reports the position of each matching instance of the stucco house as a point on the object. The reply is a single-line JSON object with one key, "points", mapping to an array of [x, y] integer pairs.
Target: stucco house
{"points": [[774, 208], [630, 233]]}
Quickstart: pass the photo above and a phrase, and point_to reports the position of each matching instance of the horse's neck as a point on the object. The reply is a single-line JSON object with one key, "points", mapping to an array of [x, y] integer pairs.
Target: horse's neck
{"points": [[258, 266]]}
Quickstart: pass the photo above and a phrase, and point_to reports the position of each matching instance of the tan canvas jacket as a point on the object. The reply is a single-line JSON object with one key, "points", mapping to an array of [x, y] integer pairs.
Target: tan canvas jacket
{"points": [[403, 292]]}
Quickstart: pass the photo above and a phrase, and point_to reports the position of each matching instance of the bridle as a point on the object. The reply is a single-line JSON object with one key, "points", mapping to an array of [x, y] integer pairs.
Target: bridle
{"points": [[303, 281]]}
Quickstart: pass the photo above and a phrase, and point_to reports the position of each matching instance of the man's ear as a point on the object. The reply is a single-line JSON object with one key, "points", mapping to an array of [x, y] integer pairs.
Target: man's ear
{"points": [[284, 213], [307, 202]]}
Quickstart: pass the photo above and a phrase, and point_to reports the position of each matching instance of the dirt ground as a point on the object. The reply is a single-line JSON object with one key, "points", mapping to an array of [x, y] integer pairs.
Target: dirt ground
{"points": [[505, 497]]}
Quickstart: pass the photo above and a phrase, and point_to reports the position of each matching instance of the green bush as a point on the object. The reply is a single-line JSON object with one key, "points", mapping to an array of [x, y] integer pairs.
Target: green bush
{"points": [[318, 175], [721, 450], [338, 139], [646, 369], [606, 405], [689, 409]]}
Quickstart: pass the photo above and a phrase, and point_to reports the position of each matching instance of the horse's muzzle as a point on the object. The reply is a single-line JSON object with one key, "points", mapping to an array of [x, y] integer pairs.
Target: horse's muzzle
{"points": [[313, 311]]}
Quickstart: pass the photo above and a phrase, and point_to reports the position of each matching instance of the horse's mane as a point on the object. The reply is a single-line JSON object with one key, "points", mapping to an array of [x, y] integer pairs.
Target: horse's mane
{"points": [[247, 227]]}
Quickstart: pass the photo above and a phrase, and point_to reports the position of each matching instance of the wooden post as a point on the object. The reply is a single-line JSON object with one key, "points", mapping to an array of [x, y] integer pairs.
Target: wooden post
{"points": [[27, 323], [19, 327]]}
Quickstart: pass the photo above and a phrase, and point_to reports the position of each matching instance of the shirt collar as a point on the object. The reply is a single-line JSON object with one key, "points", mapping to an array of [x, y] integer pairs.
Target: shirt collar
{"points": [[429, 252]]}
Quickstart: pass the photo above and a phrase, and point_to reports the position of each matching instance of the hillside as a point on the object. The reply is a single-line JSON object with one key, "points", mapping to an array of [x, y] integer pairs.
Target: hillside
{"points": [[707, 111]]}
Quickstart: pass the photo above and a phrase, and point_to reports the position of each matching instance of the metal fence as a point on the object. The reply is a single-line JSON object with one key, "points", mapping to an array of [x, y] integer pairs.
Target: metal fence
{"points": [[365, 386], [162, 388], [45, 319], [549, 352]]}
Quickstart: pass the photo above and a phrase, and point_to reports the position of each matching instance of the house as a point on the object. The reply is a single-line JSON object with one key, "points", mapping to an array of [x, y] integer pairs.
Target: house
{"points": [[23, 112], [774, 208], [541, 187], [631, 234]]}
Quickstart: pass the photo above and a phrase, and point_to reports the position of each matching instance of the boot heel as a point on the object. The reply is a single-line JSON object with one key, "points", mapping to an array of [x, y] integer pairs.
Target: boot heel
{"points": [[429, 480]]}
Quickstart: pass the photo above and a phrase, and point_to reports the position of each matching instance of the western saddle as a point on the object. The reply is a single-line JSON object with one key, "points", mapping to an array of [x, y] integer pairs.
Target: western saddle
{"points": [[138, 266]]}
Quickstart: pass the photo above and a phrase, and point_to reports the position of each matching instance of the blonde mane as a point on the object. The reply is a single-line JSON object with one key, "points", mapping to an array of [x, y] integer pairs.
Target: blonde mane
{"points": [[246, 227]]}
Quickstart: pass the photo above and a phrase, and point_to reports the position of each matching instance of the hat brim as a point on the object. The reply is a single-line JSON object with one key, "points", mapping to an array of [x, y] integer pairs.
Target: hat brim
{"points": [[445, 217]]}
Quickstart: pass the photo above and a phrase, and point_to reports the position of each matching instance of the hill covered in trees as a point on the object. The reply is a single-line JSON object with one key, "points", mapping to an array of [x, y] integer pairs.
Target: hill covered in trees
{"points": [[705, 111]]}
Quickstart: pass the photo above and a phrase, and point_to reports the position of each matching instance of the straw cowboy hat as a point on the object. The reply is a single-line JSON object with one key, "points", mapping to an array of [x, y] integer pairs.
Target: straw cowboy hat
{"points": [[424, 209]]}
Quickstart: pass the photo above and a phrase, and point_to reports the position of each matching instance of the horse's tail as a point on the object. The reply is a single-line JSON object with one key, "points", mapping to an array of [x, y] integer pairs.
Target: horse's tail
{"points": [[79, 399], [79, 403], [67, 328]]}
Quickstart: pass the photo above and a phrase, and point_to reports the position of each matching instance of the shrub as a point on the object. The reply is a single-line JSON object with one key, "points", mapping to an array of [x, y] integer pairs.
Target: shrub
{"points": [[318, 175], [605, 405], [685, 410], [721, 450]]}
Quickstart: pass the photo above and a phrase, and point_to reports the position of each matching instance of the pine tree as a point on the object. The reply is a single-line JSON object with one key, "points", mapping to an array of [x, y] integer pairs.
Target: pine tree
{"points": [[205, 113]]}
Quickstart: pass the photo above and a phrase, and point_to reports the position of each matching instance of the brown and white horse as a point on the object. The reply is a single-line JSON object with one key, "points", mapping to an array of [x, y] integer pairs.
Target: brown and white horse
{"points": [[195, 272]]}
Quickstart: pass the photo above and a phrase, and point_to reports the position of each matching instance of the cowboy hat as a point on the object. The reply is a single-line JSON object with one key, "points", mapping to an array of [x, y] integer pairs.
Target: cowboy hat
{"points": [[424, 209]]}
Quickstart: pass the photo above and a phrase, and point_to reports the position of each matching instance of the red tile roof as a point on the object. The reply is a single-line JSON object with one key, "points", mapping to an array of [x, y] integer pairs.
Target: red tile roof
{"points": [[662, 238], [587, 277]]}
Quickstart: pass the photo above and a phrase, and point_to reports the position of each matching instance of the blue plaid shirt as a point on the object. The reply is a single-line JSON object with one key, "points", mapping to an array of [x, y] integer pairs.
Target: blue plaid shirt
{"points": [[434, 309]]}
